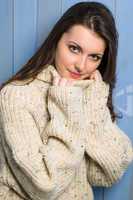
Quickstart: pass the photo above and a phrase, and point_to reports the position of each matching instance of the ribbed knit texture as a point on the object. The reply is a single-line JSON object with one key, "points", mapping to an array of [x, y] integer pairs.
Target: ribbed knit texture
{"points": [[57, 140], [109, 148]]}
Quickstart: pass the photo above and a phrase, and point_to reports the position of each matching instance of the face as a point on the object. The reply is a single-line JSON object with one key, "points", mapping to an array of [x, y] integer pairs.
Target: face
{"points": [[79, 53]]}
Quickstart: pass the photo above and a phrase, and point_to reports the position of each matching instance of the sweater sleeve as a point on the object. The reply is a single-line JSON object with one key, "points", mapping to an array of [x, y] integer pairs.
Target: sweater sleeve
{"points": [[109, 151], [43, 170]]}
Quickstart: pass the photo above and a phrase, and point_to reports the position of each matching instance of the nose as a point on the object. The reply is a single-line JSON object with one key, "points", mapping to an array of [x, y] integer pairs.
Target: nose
{"points": [[80, 65]]}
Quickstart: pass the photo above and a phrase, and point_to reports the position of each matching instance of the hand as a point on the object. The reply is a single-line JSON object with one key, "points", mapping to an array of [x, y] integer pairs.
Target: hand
{"points": [[96, 96], [96, 75], [100, 88], [60, 81]]}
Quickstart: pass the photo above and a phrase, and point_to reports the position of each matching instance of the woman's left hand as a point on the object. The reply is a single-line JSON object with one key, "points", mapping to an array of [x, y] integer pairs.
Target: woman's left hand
{"points": [[96, 75], [96, 96], [100, 88]]}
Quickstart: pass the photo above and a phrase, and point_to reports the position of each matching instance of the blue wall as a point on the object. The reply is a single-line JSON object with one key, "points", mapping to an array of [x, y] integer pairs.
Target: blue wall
{"points": [[23, 27]]}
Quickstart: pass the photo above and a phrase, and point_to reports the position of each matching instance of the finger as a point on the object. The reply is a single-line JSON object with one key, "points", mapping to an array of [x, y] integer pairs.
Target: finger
{"points": [[66, 82], [92, 76], [63, 82], [98, 75], [56, 81], [70, 82]]}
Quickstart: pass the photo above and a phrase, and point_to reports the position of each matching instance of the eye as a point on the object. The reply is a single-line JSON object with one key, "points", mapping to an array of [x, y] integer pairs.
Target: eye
{"points": [[95, 57], [74, 49]]}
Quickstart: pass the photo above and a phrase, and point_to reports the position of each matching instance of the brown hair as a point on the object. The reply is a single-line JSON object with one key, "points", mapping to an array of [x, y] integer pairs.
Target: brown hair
{"points": [[96, 17]]}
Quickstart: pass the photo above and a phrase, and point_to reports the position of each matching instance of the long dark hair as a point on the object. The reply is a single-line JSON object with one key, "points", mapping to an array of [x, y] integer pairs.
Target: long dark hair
{"points": [[97, 17]]}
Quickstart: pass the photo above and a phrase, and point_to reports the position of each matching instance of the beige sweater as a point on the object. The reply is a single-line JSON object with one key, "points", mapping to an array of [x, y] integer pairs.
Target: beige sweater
{"points": [[57, 141]]}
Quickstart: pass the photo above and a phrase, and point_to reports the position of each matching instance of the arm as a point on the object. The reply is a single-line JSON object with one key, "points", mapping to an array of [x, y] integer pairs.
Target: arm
{"points": [[109, 150], [43, 170]]}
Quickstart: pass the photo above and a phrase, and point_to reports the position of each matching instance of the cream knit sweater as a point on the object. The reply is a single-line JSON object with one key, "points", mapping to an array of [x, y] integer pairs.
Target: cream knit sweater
{"points": [[57, 141]]}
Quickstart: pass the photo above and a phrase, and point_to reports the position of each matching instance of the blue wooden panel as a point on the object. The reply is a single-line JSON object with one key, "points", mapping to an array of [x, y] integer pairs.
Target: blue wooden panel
{"points": [[124, 92], [98, 193], [110, 4], [25, 19], [67, 3], [6, 31], [48, 13]]}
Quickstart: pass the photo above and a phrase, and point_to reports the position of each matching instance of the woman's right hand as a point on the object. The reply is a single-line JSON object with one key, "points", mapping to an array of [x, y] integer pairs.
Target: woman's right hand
{"points": [[60, 81]]}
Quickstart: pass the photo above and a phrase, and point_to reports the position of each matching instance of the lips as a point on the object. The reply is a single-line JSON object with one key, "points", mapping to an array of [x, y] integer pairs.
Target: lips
{"points": [[74, 75]]}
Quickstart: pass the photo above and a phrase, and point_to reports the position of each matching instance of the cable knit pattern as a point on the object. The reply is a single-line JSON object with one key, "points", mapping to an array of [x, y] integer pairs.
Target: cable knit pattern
{"points": [[56, 140]]}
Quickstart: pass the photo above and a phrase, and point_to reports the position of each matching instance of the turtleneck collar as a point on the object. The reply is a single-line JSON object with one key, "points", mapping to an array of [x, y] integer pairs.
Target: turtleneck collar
{"points": [[47, 74]]}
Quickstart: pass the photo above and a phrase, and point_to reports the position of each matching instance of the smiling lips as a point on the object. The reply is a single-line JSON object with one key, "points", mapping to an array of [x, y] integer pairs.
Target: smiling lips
{"points": [[74, 75]]}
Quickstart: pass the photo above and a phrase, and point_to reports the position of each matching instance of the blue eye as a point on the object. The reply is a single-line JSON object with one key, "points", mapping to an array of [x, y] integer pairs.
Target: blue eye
{"points": [[73, 49]]}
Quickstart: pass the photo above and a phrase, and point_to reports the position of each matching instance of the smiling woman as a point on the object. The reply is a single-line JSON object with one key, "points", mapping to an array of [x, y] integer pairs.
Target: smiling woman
{"points": [[79, 53], [58, 135]]}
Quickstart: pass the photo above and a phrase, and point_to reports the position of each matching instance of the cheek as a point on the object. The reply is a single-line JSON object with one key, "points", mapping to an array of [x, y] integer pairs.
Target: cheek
{"points": [[92, 67], [64, 57]]}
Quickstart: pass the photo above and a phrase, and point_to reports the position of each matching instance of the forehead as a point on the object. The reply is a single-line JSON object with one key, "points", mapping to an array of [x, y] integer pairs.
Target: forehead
{"points": [[86, 38]]}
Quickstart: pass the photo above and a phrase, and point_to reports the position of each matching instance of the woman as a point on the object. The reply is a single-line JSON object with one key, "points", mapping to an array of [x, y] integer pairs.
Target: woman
{"points": [[58, 131]]}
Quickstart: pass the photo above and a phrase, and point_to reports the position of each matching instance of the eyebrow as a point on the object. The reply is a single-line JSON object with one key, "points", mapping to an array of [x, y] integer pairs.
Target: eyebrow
{"points": [[80, 48]]}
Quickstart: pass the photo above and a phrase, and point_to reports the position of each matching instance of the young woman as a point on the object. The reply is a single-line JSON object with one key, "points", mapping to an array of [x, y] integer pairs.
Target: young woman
{"points": [[58, 130]]}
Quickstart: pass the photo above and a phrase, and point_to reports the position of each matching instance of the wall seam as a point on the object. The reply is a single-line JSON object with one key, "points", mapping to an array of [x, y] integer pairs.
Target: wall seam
{"points": [[61, 7], [13, 35], [115, 5], [36, 23]]}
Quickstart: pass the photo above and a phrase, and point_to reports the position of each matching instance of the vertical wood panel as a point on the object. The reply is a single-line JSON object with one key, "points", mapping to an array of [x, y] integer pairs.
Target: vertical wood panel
{"points": [[110, 4], [48, 13], [25, 13], [67, 3], [6, 31]]}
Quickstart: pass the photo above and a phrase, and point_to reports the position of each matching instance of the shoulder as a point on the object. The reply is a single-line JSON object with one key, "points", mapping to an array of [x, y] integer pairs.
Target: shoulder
{"points": [[21, 93]]}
